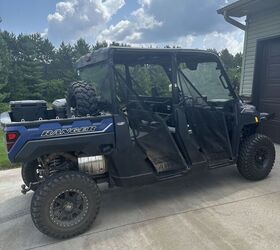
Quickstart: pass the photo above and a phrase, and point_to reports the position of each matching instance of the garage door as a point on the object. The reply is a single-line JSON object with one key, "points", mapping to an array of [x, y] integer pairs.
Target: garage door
{"points": [[269, 87]]}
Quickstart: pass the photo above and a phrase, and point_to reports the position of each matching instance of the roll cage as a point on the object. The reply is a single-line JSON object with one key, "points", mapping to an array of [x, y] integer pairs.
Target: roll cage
{"points": [[167, 58]]}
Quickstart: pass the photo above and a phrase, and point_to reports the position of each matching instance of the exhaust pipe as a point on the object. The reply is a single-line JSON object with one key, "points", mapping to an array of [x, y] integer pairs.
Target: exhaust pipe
{"points": [[93, 165]]}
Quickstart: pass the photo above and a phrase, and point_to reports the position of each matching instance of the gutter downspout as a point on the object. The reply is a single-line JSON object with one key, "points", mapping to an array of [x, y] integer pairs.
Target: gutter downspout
{"points": [[233, 21]]}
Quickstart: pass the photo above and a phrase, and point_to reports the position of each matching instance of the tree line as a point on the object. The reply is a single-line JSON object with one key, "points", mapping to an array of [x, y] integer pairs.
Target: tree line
{"points": [[31, 67]]}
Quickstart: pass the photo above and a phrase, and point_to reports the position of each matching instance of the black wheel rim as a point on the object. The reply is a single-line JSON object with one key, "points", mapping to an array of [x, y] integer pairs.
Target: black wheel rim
{"points": [[69, 208], [261, 158]]}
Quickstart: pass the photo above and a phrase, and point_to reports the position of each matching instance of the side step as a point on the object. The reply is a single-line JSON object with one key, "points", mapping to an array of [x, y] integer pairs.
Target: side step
{"points": [[220, 164], [171, 174]]}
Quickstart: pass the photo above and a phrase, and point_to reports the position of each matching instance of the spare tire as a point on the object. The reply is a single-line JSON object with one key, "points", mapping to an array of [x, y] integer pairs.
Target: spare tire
{"points": [[81, 99]]}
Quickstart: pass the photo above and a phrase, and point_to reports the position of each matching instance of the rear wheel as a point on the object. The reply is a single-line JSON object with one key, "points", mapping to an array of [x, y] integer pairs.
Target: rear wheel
{"points": [[65, 205], [81, 99], [256, 157], [34, 173]]}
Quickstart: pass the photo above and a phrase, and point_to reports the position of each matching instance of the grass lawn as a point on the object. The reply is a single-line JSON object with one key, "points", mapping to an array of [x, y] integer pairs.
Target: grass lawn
{"points": [[4, 162]]}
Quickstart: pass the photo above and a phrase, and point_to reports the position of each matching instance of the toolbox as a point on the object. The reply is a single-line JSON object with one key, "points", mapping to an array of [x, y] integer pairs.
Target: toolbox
{"points": [[28, 110]]}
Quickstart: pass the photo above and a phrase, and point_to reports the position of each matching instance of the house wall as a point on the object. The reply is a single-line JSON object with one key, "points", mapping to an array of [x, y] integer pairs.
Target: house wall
{"points": [[260, 25]]}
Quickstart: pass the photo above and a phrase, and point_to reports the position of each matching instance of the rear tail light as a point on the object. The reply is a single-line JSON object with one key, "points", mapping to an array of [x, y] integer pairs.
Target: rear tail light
{"points": [[11, 138]]}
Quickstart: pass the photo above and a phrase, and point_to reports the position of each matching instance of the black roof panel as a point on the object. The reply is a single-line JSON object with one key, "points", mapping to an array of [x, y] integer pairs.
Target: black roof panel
{"points": [[104, 54]]}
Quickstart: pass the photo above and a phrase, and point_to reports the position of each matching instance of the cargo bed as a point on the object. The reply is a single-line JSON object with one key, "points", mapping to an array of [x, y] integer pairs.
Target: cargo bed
{"points": [[28, 140]]}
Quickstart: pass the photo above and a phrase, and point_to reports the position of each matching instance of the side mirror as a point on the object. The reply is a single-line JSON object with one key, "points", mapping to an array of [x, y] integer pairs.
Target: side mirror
{"points": [[192, 65]]}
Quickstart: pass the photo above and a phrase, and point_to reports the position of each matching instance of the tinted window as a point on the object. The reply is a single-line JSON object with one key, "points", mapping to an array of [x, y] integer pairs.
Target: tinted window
{"points": [[207, 79]]}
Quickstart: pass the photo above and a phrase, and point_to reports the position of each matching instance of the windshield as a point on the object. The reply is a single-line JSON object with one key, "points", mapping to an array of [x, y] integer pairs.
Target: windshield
{"points": [[98, 76], [206, 78]]}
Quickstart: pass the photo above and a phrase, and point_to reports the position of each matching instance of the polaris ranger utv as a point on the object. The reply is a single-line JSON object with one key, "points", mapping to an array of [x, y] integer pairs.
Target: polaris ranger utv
{"points": [[137, 116]]}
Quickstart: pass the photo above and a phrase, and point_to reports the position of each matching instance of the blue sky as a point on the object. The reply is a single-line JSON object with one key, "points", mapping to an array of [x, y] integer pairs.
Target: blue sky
{"points": [[29, 16], [25, 16], [187, 23]]}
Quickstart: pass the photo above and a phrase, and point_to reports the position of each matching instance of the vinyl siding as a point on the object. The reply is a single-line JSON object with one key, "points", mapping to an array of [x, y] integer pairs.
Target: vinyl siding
{"points": [[259, 26]]}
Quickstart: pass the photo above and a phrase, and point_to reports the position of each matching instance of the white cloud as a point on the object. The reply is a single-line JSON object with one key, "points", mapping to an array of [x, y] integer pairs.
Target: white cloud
{"points": [[233, 41], [80, 18], [159, 21], [144, 2], [117, 32], [188, 24], [182, 18], [130, 31], [145, 21], [184, 42]]}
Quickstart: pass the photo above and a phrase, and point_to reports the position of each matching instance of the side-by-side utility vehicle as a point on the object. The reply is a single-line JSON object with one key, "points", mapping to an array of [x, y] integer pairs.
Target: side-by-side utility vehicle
{"points": [[136, 116]]}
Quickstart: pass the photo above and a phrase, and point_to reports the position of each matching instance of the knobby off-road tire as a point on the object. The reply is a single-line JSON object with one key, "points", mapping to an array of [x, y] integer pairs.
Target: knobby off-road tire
{"points": [[65, 205], [81, 99], [29, 173], [256, 157]]}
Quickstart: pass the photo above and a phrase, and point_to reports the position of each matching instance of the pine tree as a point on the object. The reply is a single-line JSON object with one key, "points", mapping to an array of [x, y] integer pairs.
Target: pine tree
{"points": [[100, 45], [14, 86], [31, 67], [227, 58], [64, 64], [5, 60], [81, 48]]}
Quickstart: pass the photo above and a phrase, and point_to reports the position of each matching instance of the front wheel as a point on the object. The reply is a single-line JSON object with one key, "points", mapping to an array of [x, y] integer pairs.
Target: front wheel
{"points": [[65, 205], [256, 157]]}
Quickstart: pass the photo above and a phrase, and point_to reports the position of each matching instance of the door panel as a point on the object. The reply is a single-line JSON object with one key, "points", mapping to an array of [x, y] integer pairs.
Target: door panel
{"points": [[152, 135], [186, 139], [205, 94], [148, 106], [269, 88], [210, 129]]}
